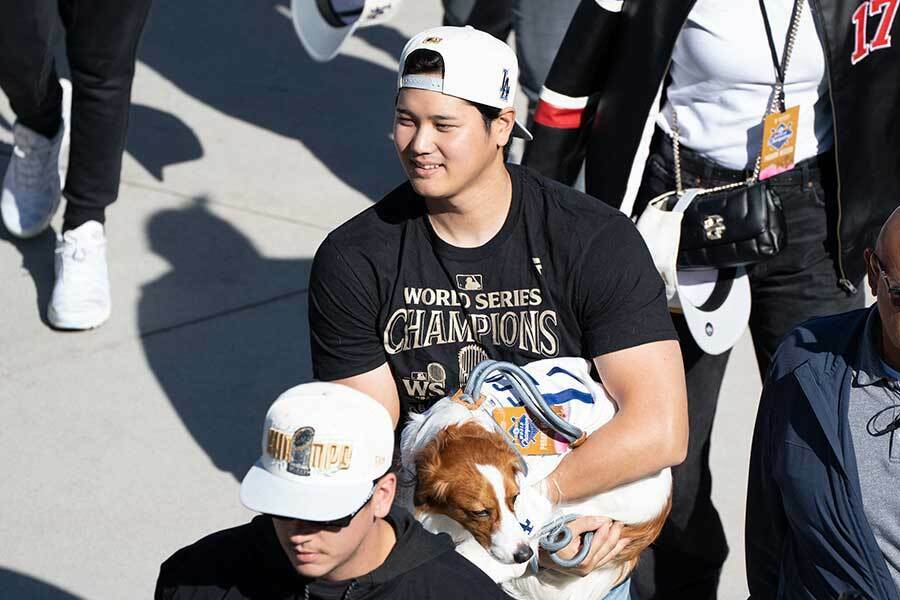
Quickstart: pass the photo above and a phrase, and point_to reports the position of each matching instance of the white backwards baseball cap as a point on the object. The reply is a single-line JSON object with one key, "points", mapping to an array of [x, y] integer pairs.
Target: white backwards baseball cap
{"points": [[324, 25], [323, 447], [477, 67], [716, 306]]}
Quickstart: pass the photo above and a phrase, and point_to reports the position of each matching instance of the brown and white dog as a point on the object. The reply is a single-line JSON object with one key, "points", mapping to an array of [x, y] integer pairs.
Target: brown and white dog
{"points": [[471, 483]]}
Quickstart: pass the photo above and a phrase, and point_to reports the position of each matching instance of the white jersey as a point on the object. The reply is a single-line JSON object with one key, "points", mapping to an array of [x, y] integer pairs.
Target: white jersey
{"points": [[567, 387]]}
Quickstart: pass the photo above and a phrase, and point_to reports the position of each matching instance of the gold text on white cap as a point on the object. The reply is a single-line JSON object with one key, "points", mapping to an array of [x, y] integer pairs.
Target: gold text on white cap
{"points": [[302, 453]]}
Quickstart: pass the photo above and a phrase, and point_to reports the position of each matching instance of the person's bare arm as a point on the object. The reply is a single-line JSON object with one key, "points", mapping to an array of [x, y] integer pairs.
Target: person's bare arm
{"points": [[379, 384], [648, 433]]}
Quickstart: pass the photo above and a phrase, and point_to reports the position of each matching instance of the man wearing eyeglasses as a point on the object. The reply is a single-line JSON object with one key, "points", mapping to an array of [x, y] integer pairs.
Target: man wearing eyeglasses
{"points": [[324, 486], [823, 507]]}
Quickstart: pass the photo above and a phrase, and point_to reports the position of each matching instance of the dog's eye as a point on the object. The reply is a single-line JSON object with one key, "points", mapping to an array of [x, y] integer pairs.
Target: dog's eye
{"points": [[481, 514]]}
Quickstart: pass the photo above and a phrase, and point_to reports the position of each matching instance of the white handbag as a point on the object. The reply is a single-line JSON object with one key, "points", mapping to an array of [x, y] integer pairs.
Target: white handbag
{"points": [[661, 230]]}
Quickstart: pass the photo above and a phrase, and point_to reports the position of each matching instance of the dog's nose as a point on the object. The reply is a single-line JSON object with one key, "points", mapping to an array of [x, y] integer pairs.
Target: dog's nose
{"points": [[522, 554]]}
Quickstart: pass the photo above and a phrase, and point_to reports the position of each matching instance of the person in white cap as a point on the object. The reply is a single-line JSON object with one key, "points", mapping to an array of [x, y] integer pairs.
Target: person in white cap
{"points": [[539, 26], [325, 486], [473, 258]]}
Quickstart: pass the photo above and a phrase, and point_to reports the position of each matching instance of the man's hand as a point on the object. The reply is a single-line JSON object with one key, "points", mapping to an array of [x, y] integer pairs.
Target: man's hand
{"points": [[606, 545]]}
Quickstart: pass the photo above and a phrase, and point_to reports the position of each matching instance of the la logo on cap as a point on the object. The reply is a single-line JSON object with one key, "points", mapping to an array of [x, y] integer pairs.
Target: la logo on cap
{"points": [[504, 87]]}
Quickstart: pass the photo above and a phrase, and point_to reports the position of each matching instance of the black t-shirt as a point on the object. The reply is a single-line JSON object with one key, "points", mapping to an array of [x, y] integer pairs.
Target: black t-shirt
{"points": [[565, 276]]}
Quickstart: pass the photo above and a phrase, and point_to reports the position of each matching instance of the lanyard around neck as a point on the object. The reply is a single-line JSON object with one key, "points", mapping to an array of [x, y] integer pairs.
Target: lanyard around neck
{"points": [[789, 40]]}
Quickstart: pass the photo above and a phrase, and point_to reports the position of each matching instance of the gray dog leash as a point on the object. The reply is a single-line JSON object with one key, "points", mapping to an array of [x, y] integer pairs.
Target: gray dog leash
{"points": [[555, 535]]}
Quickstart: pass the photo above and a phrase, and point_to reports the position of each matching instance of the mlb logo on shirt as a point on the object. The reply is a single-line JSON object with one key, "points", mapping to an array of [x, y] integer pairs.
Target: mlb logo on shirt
{"points": [[470, 282]]}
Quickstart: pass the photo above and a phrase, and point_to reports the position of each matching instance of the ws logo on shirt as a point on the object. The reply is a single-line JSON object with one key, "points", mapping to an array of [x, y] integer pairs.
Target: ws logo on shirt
{"points": [[432, 382]]}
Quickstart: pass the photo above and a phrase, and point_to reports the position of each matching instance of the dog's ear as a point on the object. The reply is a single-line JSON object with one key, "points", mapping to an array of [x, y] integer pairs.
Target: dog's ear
{"points": [[433, 495], [431, 489], [421, 429]]}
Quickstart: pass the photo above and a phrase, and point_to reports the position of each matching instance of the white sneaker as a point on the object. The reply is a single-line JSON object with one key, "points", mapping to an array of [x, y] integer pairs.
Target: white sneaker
{"points": [[81, 298]]}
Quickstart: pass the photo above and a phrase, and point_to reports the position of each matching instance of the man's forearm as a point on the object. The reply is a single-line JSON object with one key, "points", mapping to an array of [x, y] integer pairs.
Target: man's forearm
{"points": [[648, 433], [629, 447]]}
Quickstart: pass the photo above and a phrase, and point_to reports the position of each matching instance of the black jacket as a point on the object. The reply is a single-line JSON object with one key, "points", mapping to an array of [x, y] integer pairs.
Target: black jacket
{"points": [[247, 562], [807, 533], [619, 59]]}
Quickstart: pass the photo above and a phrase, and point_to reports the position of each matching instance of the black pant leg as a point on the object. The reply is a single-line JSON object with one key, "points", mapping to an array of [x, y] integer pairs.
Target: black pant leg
{"points": [[686, 560], [493, 16], [800, 282], [101, 44], [27, 73]]}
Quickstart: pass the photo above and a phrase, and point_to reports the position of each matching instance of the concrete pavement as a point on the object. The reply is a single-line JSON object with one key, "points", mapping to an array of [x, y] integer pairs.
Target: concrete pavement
{"points": [[122, 444]]}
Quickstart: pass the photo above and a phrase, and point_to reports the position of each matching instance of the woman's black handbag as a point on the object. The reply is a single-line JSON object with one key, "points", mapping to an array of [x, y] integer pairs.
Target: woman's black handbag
{"points": [[742, 223], [731, 228]]}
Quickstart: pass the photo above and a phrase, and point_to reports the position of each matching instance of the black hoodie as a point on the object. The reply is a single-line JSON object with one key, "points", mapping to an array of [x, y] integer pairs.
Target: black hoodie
{"points": [[248, 562]]}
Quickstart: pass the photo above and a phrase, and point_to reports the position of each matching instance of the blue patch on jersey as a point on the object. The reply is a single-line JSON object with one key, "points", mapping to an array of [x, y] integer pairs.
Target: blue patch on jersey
{"points": [[556, 370], [566, 395]]}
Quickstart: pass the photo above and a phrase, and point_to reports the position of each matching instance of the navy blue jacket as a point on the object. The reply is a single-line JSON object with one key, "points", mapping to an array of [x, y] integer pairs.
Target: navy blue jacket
{"points": [[806, 533]]}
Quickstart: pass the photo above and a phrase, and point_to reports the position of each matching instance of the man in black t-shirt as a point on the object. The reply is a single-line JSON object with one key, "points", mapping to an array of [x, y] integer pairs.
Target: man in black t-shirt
{"points": [[473, 259]]}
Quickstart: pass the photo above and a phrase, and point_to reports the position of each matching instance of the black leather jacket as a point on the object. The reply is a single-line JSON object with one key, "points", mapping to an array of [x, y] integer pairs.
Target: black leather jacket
{"points": [[617, 54]]}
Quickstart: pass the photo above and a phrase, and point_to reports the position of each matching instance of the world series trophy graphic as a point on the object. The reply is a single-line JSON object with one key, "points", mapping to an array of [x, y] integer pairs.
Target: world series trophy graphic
{"points": [[469, 357]]}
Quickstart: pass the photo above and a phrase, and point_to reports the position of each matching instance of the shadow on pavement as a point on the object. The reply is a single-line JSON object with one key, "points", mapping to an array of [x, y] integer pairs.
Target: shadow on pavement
{"points": [[157, 139], [244, 60], [223, 371], [24, 587], [37, 252]]}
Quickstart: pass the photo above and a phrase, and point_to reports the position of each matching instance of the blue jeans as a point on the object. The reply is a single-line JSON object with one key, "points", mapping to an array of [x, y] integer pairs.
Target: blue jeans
{"points": [[620, 592]]}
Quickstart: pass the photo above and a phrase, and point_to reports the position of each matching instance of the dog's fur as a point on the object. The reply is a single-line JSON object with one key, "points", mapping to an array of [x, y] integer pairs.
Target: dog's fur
{"points": [[470, 484]]}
